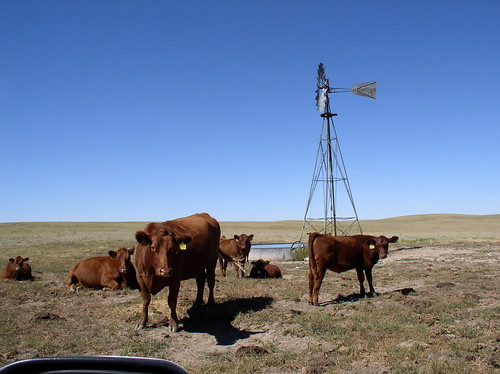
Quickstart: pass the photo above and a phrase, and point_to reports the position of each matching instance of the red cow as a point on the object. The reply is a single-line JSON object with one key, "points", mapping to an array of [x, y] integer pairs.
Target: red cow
{"points": [[263, 269], [17, 269], [235, 250], [172, 251], [342, 253], [108, 272]]}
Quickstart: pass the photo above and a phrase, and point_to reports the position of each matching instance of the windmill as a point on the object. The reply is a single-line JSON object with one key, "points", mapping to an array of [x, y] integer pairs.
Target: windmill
{"points": [[336, 216]]}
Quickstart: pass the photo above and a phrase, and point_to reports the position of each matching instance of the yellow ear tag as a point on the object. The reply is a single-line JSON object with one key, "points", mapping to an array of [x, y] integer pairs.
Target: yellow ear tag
{"points": [[182, 246], [372, 246]]}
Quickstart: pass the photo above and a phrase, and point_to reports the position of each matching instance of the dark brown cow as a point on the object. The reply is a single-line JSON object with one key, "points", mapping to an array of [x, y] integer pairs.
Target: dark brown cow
{"points": [[235, 250], [263, 269], [342, 253], [108, 272], [172, 251], [17, 269]]}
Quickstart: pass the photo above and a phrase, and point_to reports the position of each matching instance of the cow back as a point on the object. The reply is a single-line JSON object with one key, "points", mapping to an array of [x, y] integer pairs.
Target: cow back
{"points": [[199, 253]]}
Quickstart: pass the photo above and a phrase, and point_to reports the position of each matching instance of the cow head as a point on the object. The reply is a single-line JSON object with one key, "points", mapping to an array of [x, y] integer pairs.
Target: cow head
{"points": [[244, 241], [123, 255], [260, 264], [18, 262], [381, 245], [164, 247]]}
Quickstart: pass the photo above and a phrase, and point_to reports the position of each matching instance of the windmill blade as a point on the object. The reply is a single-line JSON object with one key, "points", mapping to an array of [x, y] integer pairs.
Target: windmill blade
{"points": [[321, 75], [322, 91], [368, 89]]}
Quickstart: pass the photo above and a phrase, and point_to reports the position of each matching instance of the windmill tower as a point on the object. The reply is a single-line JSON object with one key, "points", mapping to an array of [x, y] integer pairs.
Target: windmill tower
{"points": [[334, 211]]}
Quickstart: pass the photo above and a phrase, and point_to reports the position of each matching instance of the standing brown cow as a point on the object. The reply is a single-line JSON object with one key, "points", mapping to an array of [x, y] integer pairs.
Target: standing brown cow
{"points": [[17, 269], [172, 251], [108, 272], [235, 250], [342, 253]]}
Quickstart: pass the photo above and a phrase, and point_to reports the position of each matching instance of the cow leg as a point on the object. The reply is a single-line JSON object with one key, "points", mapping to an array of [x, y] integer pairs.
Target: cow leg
{"points": [[200, 285], [369, 277], [146, 299], [361, 279], [223, 265], [172, 303], [311, 285], [317, 280], [211, 283], [111, 285], [236, 269]]}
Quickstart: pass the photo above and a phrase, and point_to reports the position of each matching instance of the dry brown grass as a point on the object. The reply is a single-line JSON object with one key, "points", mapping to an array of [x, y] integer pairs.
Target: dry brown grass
{"points": [[449, 324]]}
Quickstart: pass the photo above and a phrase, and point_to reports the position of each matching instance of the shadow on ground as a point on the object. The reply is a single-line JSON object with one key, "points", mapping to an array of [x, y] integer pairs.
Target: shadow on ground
{"points": [[216, 319], [356, 296]]}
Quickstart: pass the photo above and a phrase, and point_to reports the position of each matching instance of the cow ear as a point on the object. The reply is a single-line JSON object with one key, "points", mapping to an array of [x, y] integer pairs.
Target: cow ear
{"points": [[267, 262], [394, 239], [26, 259], [250, 237], [131, 250], [112, 254], [11, 260], [142, 238], [237, 237], [182, 238]]}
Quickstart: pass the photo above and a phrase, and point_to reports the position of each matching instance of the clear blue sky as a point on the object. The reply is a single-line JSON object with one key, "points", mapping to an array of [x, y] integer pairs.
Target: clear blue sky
{"points": [[131, 110]]}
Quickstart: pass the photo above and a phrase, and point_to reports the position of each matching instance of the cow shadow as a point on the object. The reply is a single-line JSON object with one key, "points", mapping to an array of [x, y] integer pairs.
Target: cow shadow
{"points": [[216, 319], [344, 299], [356, 296]]}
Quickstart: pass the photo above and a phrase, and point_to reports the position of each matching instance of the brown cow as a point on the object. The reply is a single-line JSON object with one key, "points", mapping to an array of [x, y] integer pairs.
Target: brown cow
{"points": [[235, 250], [17, 269], [342, 253], [263, 269], [173, 251], [108, 272]]}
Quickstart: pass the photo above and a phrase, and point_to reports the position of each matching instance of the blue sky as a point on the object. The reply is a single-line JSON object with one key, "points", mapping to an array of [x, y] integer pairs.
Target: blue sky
{"points": [[151, 110]]}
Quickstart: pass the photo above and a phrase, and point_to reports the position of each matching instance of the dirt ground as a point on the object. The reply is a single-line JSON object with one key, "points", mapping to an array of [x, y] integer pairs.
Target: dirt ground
{"points": [[437, 310]]}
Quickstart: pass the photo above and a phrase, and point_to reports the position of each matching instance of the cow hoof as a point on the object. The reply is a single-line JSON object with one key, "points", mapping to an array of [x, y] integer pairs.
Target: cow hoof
{"points": [[173, 328], [140, 326]]}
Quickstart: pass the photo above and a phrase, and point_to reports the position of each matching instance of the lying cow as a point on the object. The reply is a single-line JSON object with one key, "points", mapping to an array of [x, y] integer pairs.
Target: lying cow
{"points": [[107, 272], [342, 253], [235, 250], [263, 269], [172, 251], [17, 269]]}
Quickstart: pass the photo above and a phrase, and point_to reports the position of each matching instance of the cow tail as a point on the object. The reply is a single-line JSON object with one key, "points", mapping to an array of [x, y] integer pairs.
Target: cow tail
{"points": [[310, 247]]}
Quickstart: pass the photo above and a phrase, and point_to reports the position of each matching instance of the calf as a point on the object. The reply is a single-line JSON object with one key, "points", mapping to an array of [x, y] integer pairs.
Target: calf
{"points": [[17, 269], [263, 269], [234, 250], [342, 253], [108, 272]]}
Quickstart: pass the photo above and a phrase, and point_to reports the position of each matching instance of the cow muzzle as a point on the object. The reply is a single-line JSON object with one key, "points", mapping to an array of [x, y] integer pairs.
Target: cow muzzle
{"points": [[164, 272]]}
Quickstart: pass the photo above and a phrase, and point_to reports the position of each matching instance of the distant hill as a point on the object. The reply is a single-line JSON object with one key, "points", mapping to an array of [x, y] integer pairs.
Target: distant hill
{"points": [[431, 226]]}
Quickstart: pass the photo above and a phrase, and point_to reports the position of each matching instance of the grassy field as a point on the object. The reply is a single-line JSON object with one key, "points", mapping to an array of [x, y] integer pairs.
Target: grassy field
{"points": [[437, 311]]}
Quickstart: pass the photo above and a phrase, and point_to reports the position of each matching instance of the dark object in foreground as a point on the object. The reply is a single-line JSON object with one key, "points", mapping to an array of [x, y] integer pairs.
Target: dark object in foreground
{"points": [[93, 364], [342, 253]]}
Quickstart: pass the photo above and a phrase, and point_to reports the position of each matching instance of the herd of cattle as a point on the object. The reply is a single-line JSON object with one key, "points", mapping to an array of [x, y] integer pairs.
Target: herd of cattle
{"points": [[190, 247]]}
